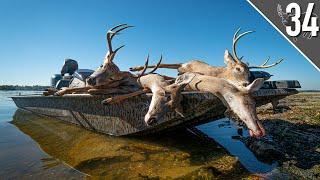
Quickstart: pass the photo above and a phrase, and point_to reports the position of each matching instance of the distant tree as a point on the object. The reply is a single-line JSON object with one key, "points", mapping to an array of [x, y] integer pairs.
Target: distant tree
{"points": [[22, 88]]}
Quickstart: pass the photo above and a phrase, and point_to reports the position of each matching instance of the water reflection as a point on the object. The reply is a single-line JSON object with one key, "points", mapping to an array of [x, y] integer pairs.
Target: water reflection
{"points": [[222, 132], [20, 155], [177, 154]]}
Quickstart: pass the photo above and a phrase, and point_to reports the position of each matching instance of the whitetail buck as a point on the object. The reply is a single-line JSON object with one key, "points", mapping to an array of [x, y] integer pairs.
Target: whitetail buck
{"points": [[107, 78], [236, 71], [108, 68], [159, 86], [237, 98]]}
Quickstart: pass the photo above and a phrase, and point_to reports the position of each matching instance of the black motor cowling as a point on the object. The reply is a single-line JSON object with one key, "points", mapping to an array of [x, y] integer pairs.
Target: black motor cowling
{"points": [[69, 66]]}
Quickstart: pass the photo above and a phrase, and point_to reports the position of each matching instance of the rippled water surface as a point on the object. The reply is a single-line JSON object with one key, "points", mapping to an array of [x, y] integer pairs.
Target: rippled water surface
{"points": [[36, 147]]}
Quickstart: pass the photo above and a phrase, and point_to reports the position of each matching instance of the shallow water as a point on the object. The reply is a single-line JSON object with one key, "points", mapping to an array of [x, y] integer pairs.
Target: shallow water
{"points": [[35, 147]]}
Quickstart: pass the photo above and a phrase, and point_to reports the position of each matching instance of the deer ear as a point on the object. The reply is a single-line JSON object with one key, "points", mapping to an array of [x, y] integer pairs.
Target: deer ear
{"points": [[255, 85], [180, 83], [228, 59], [185, 79]]}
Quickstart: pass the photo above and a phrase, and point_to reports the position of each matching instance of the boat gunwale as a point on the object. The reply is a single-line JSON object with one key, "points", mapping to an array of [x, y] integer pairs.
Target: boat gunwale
{"points": [[259, 93]]}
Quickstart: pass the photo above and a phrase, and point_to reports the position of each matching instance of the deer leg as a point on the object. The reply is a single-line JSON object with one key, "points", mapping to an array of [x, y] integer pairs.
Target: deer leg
{"points": [[120, 98], [110, 83], [169, 66], [71, 90], [50, 91], [108, 91]]}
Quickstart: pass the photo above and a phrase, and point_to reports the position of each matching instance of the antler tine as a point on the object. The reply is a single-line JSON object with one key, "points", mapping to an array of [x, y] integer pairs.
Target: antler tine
{"points": [[236, 38], [267, 60], [115, 51], [268, 66], [145, 67], [157, 66], [114, 31], [118, 30], [236, 33]]}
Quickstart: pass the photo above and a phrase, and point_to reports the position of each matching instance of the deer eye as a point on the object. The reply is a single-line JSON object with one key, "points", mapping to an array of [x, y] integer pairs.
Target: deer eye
{"points": [[101, 66], [238, 69]]}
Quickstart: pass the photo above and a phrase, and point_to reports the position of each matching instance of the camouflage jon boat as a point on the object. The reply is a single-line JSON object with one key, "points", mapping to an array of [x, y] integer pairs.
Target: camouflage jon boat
{"points": [[128, 117]]}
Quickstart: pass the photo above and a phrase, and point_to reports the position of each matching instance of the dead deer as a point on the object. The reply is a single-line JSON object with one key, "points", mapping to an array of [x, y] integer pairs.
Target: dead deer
{"points": [[237, 98], [108, 67], [160, 87], [108, 77], [236, 71]]}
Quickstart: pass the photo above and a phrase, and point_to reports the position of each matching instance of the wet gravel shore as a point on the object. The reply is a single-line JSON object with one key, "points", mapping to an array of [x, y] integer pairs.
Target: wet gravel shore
{"points": [[293, 138]]}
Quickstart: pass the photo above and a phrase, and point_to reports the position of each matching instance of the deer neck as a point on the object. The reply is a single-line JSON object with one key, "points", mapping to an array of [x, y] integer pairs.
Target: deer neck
{"points": [[218, 86], [154, 82]]}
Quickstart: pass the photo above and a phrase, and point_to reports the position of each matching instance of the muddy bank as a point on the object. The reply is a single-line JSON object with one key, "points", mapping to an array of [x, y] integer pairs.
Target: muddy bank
{"points": [[293, 136]]}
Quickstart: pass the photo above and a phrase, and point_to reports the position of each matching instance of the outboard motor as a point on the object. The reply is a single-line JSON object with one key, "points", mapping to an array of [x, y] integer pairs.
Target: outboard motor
{"points": [[64, 79], [54, 79], [69, 66], [64, 82], [79, 77], [70, 75]]}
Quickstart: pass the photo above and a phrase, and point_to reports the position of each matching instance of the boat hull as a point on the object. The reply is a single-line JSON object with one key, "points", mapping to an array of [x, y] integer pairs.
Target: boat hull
{"points": [[127, 117]]}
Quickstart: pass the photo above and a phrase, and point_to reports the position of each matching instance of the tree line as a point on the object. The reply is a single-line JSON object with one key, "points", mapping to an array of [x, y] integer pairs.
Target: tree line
{"points": [[23, 88]]}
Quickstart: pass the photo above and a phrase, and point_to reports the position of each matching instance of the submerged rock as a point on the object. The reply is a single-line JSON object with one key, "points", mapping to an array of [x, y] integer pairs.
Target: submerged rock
{"points": [[264, 149]]}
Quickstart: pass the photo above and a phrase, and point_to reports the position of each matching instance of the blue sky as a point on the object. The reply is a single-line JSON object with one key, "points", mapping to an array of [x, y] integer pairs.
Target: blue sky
{"points": [[37, 35]]}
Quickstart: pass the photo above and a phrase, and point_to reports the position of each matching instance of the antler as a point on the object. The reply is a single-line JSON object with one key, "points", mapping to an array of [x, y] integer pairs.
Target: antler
{"points": [[263, 65], [110, 34], [117, 99], [146, 67], [235, 40]]}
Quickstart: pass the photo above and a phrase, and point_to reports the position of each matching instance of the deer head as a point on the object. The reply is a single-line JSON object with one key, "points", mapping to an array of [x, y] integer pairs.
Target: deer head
{"points": [[238, 99], [241, 102], [108, 68], [238, 72], [161, 103]]}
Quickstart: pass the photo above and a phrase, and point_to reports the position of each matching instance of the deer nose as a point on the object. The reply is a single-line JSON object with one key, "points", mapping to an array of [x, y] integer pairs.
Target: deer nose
{"points": [[245, 84], [152, 120], [91, 81]]}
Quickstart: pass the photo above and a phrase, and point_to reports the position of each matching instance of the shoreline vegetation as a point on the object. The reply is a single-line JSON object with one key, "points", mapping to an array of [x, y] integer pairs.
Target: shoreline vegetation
{"points": [[22, 88]]}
